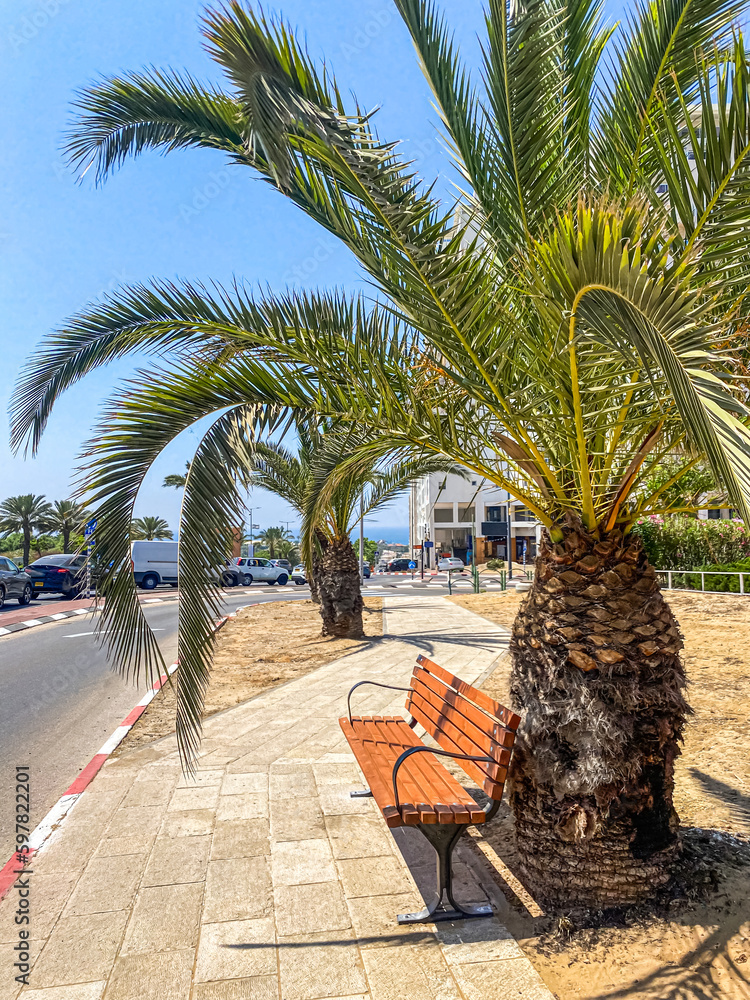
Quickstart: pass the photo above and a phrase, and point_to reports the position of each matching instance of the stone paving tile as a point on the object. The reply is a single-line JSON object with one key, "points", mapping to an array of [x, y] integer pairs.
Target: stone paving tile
{"points": [[80, 949], [297, 819], [198, 797], [358, 837], [49, 894], [164, 918], [247, 764], [373, 877], [195, 823], [305, 909], [177, 859], [157, 976], [257, 988], [336, 800], [411, 972], [136, 821], [374, 919], [148, 793], [236, 949], [240, 838], [337, 774], [246, 805], [300, 784], [79, 991], [237, 889], [106, 884], [320, 965], [469, 941], [138, 843], [509, 980], [201, 779], [236, 784], [301, 861]]}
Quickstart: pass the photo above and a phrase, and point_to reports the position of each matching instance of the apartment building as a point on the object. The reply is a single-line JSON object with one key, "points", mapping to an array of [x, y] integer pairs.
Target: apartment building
{"points": [[463, 515]]}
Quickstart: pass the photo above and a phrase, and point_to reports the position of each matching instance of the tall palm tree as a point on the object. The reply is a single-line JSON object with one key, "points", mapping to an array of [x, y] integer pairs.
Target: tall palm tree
{"points": [[149, 529], [67, 517], [177, 479], [26, 514], [331, 504], [558, 327], [269, 538]]}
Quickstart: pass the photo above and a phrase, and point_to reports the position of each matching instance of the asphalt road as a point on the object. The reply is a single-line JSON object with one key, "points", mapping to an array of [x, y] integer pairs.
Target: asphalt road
{"points": [[60, 701]]}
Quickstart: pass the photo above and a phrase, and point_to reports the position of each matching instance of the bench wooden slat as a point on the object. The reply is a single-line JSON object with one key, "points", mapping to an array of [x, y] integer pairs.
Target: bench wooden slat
{"points": [[428, 688], [423, 709], [508, 718], [373, 776], [384, 754], [480, 721], [409, 783]]}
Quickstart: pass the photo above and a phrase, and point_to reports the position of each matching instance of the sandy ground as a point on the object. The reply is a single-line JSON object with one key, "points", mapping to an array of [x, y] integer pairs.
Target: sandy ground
{"points": [[694, 943], [263, 646]]}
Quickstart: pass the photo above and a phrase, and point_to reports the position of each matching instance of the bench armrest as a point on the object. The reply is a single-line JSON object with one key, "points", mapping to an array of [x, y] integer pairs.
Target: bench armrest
{"points": [[491, 807], [376, 684]]}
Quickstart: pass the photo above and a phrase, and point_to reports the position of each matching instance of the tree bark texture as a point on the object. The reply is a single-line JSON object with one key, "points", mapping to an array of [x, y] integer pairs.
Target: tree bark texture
{"points": [[598, 679], [340, 593]]}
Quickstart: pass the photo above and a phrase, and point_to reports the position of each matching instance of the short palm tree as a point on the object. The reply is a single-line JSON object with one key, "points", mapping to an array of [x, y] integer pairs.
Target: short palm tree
{"points": [[67, 517], [25, 514], [149, 529], [177, 479], [560, 327], [331, 504]]}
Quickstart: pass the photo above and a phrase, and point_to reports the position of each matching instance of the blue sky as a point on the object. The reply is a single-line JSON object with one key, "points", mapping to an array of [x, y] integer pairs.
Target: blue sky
{"points": [[189, 215]]}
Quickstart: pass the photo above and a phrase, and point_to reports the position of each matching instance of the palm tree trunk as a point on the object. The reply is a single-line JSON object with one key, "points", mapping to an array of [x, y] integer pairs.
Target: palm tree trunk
{"points": [[598, 677], [66, 538], [26, 545], [340, 592]]}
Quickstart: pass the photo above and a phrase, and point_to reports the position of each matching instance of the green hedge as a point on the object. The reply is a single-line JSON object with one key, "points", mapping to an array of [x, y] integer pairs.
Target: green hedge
{"points": [[718, 583]]}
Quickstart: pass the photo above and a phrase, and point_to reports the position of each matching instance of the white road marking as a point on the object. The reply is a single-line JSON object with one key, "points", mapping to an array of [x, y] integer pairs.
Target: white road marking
{"points": [[77, 635]]}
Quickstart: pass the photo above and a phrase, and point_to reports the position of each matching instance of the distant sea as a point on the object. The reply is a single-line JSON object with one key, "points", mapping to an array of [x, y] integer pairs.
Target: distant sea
{"points": [[388, 532]]}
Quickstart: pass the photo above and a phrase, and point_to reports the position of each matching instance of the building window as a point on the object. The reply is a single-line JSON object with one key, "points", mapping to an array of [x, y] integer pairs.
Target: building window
{"points": [[465, 513], [497, 514], [714, 515], [521, 514], [443, 515]]}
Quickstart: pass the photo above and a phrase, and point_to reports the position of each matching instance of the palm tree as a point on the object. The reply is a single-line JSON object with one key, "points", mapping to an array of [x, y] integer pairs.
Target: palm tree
{"points": [[66, 517], [176, 479], [149, 529], [271, 537], [559, 327], [331, 504], [26, 514]]}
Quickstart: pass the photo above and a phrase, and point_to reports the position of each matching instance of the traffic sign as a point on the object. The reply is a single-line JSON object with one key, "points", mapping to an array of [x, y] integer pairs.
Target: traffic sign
{"points": [[90, 527], [428, 544], [412, 565]]}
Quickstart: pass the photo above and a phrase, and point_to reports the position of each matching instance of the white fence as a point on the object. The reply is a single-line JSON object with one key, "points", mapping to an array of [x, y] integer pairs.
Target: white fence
{"points": [[670, 574]]}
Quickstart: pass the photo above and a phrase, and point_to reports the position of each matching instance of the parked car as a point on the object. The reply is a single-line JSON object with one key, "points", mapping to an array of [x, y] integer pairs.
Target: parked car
{"points": [[261, 571], [451, 562], [398, 565], [154, 563], [282, 562], [64, 574], [14, 582], [366, 571], [299, 574]]}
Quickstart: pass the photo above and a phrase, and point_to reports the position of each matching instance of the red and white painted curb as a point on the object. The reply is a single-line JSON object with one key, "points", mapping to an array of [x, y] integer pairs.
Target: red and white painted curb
{"points": [[65, 803]]}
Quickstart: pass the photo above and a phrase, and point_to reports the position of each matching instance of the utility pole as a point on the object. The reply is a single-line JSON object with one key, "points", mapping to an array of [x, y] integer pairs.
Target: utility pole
{"points": [[362, 539], [510, 541]]}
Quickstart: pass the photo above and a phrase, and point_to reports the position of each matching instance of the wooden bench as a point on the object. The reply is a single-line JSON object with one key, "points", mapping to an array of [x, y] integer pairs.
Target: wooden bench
{"points": [[411, 785]]}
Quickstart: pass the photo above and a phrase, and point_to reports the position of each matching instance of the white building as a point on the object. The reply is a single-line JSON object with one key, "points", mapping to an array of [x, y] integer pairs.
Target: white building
{"points": [[450, 512]]}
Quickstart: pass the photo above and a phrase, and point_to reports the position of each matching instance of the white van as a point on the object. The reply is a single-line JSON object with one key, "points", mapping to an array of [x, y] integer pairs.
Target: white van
{"points": [[154, 563]]}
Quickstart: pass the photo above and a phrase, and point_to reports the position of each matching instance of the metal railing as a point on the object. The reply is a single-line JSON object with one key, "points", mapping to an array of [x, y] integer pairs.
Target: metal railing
{"points": [[670, 574]]}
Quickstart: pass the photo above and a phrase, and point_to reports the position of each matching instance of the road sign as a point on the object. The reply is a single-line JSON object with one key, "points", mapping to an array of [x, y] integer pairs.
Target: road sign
{"points": [[90, 527], [428, 544], [412, 565]]}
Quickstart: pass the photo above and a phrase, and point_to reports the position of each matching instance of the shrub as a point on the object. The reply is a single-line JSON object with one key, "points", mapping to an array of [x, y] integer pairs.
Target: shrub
{"points": [[495, 564], [680, 542], [716, 582]]}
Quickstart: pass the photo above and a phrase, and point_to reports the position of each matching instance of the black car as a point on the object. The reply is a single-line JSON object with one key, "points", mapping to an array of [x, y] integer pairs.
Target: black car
{"points": [[59, 574], [13, 582], [398, 565]]}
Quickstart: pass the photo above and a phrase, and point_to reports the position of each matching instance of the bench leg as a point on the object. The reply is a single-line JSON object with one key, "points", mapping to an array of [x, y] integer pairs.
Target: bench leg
{"points": [[444, 837]]}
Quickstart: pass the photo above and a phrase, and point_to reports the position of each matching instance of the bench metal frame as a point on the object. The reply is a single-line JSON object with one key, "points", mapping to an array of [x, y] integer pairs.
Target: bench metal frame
{"points": [[443, 837]]}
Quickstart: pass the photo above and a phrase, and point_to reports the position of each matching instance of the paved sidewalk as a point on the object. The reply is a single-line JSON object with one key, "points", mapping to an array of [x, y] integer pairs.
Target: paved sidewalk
{"points": [[263, 879]]}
